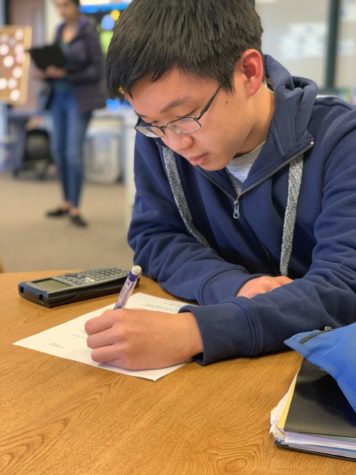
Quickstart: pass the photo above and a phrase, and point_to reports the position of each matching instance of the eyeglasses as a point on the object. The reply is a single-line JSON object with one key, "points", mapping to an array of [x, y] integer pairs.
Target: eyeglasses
{"points": [[183, 126]]}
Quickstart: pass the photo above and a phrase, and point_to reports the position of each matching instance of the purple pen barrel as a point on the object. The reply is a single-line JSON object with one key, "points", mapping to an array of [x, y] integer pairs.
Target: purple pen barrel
{"points": [[128, 287]]}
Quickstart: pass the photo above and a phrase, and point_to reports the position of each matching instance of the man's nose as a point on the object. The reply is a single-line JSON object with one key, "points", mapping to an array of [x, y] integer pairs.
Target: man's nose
{"points": [[177, 143]]}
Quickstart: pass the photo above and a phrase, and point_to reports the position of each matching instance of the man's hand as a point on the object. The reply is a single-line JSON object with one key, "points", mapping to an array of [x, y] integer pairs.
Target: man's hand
{"points": [[52, 72], [143, 339], [261, 285]]}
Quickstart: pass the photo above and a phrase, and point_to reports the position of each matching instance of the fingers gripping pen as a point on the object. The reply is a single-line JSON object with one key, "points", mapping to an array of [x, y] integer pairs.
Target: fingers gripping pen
{"points": [[128, 287]]}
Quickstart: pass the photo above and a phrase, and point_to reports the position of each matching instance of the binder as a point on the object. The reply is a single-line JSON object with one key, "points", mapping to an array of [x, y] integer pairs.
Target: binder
{"points": [[47, 55], [315, 416]]}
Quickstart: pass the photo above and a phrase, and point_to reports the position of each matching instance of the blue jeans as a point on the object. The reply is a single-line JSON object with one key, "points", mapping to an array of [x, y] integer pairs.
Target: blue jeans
{"points": [[69, 127]]}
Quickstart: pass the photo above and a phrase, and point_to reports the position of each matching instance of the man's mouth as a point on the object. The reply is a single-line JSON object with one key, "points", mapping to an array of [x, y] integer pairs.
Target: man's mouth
{"points": [[197, 159]]}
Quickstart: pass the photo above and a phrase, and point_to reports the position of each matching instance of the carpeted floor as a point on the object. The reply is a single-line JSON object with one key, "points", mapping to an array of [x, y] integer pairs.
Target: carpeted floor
{"points": [[30, 241]]}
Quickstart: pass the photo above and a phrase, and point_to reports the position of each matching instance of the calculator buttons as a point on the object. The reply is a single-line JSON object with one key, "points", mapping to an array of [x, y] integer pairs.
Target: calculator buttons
{"points": [[92, 276]]}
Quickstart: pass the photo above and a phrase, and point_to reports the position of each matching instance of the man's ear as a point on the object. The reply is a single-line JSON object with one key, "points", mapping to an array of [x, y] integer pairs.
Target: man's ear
{"points": [[250, 68]]}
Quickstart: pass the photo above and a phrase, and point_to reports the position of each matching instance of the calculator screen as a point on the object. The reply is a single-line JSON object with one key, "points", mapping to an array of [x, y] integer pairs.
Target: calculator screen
{"points": [[50, 285]]}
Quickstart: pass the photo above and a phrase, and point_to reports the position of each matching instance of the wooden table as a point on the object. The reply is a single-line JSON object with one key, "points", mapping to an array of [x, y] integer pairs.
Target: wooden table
{"points": [[63, 417]]}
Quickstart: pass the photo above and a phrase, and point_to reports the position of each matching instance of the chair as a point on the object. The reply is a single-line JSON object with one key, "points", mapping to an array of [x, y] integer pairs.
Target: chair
{"points": [[37, 154]]}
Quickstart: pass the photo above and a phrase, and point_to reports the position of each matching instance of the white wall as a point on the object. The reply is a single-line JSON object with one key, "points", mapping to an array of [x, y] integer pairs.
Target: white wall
{"points": [[295, 33], [3, 119], [52, 20], [346, 61]]}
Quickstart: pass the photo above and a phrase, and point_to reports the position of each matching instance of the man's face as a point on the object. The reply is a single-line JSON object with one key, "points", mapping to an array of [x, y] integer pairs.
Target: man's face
{"points": [[226, 127]]}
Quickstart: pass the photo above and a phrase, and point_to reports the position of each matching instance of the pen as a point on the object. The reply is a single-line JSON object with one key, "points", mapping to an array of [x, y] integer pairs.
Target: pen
{"points": [[128, 287]]}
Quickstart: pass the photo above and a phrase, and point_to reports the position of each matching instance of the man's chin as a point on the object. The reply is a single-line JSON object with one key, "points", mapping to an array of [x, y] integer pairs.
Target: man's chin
{"points": [[213, 165]]}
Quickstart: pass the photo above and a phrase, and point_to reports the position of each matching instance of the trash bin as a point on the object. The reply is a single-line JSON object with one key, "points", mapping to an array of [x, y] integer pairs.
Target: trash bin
{"points": [[102, 156]]}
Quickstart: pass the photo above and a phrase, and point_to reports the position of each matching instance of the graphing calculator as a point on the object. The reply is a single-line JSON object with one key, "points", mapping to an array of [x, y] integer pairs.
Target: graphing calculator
{"points": [[72, 287]]}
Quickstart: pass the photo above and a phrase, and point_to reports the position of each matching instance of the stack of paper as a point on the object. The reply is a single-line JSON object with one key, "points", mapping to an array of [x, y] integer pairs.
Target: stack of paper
{"points": [[314, 416]]}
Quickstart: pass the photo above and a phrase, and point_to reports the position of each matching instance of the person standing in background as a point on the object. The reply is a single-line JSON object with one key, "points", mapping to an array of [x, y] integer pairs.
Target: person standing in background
{"points": [[74, 92]]}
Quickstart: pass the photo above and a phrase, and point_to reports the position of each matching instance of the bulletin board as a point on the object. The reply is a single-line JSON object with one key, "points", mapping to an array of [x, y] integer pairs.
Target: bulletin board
{"points": [[14, 63]]}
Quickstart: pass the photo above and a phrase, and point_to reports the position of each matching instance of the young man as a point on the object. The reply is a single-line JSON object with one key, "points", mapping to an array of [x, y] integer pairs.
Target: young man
{"points": [[246, 189]]}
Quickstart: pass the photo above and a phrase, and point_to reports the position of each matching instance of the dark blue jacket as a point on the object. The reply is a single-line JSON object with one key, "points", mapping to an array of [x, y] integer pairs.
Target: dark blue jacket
{"points": [[85, 66], [323, 259]]}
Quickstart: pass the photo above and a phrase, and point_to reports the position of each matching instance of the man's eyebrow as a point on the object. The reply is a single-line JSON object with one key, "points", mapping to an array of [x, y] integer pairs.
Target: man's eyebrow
{"points": [[170, 105]]}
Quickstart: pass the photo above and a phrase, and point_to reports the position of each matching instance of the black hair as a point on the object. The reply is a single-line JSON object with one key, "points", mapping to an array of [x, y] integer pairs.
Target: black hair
{"points": [[76, 2], [201, 37]]}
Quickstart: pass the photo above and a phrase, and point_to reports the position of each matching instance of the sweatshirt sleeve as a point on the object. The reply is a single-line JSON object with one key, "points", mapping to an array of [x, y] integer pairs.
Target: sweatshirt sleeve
{"points": [[250, 327], [164, 248]]}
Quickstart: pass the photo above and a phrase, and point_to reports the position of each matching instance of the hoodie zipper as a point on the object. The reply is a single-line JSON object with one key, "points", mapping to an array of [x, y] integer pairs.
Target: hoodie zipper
{"points": [[312, 335], [236, 213], [236, 201], [236, 210]]}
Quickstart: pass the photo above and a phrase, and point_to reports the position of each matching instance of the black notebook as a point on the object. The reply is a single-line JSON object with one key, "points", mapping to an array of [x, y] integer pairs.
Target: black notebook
{"points": [[318, 406], [47, 55], [319, 418]]}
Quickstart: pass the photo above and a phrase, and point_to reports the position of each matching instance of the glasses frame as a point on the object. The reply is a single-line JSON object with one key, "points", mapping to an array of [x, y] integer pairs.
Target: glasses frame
{"points": [[162, 128]]}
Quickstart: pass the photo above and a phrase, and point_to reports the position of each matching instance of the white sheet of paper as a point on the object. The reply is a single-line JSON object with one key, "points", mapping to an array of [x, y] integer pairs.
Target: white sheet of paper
{"points": [[68, 340]]}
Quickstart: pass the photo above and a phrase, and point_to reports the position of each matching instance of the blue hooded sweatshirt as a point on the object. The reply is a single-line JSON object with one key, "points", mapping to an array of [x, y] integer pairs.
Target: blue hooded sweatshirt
{"points": [[201, 242]]}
